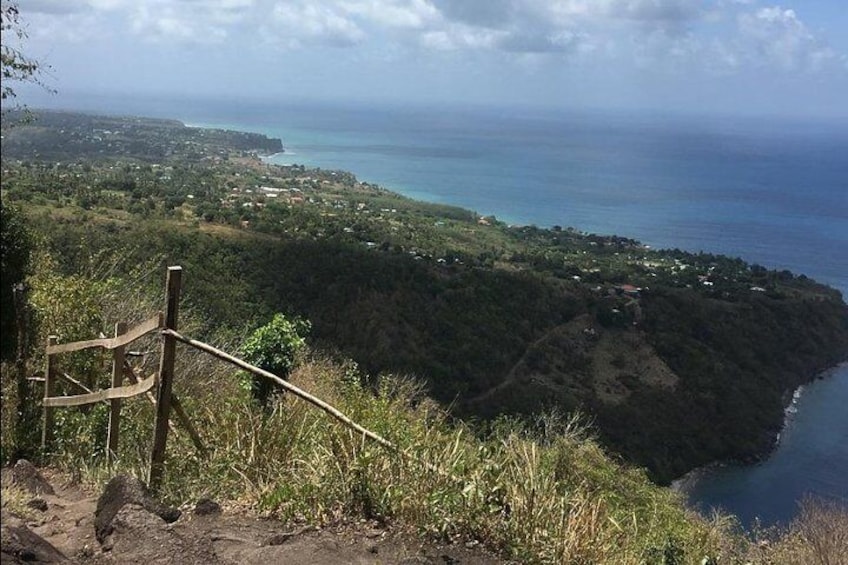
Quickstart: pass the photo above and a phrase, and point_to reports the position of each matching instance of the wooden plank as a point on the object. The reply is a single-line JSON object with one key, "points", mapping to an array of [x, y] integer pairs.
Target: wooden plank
{"points": [[130, 374], [49, 390], [106, 394], [115, 404], [186, 423], [173, 283], [140, 330]]}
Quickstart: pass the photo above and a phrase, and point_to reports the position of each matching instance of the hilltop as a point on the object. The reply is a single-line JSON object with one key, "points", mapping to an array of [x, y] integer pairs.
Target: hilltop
{"points": [[680, 359]]}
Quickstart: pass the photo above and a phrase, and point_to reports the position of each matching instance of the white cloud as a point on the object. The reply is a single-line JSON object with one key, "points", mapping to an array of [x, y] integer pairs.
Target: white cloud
{"points": [[710, 35], [306, 22], [778, 37], [412, 14]]}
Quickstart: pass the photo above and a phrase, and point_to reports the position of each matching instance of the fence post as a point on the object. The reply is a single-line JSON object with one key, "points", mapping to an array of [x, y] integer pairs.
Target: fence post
{"points": [[115, 407], [49, 390], [166, 377]]}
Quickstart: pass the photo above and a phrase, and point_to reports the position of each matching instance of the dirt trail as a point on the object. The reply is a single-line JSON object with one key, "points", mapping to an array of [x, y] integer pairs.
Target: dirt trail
{"points": [[65, 520]]}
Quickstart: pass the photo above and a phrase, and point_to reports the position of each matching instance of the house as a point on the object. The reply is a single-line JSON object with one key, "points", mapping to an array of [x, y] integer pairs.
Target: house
{"points": [[628, 290]]}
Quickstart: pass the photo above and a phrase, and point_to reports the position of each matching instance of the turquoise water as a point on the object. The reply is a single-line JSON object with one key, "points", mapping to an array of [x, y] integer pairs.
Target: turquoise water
{"points": [[774, 192]]}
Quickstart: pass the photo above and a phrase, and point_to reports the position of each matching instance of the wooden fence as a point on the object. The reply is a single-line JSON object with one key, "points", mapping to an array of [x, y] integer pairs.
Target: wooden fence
{"points": [[165, 400]]}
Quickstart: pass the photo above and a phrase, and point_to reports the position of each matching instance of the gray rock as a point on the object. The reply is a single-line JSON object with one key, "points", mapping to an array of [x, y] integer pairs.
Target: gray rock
{"points": [[26, 476], [119, 492], [206, 506], [38, 504], [22, 545]]}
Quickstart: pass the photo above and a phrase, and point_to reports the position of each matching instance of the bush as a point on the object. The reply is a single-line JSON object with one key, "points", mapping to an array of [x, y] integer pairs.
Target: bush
{"points": [[273, 348]]}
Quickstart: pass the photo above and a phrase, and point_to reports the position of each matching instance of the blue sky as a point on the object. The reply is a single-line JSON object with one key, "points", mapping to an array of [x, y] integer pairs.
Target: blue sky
{"points": [[727, 56]]}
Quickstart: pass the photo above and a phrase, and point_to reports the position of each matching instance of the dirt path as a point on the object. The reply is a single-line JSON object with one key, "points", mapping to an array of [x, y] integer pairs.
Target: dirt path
{"points": [[65, 521]]}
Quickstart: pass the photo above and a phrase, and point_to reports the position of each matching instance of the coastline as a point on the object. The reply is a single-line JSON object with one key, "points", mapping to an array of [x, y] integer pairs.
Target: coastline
{"points": [[771, 432], [686, 482], [806, 461]]}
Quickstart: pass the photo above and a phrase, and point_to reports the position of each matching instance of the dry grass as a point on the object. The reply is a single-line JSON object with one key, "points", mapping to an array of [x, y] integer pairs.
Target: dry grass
{"points": [[817, 536]]}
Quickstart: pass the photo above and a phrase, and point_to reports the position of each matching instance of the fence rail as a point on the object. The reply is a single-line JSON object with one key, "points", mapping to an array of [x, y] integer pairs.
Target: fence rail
{"points": [[107, 394], [112, 343]]}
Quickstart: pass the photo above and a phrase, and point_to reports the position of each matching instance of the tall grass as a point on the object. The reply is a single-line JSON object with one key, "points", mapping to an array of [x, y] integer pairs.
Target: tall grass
{"points": [[543, 492]]}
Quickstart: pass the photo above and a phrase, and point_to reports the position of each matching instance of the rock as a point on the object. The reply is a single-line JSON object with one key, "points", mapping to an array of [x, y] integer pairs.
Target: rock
{"points": [[22, 545], [140, 536], [25, 475], [38, 504], [206, 506], [119, 492], [278, 539]]}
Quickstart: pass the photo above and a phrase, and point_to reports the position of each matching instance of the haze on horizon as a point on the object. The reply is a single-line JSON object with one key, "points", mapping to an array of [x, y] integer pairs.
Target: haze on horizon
{"points": [[692, 56]]}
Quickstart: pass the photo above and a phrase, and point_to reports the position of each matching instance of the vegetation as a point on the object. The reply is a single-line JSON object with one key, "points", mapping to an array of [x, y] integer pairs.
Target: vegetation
{"points": [[15, 246], [274, 348], [678, 358], [692, 352]]}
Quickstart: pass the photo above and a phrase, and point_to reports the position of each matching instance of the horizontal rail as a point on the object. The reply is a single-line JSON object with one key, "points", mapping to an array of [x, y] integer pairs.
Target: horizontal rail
{"points": [[107, 394], [140, 330]]}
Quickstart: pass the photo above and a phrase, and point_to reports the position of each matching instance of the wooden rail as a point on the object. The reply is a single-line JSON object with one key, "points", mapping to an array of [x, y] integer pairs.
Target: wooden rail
{"points": [[141, 330], [113, 395], [100, 396]]}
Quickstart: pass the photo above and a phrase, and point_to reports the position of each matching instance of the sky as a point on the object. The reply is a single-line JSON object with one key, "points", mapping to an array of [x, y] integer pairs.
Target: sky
{"points": [[697, 56]]}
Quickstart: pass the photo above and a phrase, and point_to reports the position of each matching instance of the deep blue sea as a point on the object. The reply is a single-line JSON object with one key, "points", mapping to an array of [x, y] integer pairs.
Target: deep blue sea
{"points": [[773, 191]]}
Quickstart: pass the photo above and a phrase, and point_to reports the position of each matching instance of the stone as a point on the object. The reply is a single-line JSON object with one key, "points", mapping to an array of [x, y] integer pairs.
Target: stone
{"points": [[119, 492]]}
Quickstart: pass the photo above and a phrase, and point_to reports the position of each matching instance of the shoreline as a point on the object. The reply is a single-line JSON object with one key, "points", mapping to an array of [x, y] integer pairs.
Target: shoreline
{"points": [[685, 484]]}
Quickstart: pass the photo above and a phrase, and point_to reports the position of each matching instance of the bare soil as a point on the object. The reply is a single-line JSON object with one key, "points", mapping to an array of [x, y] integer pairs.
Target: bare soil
{"points": [[62, 529]]}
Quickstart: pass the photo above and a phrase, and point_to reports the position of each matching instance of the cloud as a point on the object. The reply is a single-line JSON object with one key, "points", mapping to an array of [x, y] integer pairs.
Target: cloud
{"points": [[307, 22], [710, 35], [159, 21], [778, 37], [413, 14], [52, 7], [555, 42]]}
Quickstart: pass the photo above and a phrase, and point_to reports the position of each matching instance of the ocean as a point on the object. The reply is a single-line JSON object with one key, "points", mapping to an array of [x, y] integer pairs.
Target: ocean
{"points": [[773, 191]]}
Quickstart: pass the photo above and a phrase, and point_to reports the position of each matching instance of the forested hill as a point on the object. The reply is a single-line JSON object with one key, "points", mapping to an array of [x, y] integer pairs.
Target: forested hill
{"points": [[59, 136], [680, 358]]}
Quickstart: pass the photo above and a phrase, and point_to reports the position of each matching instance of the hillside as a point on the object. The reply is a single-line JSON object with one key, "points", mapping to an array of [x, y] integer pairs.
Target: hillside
{"points": [[681, 359]]}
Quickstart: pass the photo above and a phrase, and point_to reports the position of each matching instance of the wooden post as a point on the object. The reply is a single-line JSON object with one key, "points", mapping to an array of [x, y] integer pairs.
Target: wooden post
{"points": [[115, 408], [49, 390], [25, 420], [166, 377]]}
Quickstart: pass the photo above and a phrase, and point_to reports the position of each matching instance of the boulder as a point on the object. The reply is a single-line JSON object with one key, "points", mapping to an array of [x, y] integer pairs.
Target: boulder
{"points": [[22, 545], [25, 476], [121, 491]]}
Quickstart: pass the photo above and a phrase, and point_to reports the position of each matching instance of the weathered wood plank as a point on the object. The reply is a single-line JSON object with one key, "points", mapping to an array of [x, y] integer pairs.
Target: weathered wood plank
{"points": [[115, 408], [99, 396], [186, 423], [141, 330], [49, 390], [173, 283]]}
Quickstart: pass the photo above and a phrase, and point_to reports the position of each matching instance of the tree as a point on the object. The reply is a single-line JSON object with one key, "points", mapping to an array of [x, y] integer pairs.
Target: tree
{"points": [[16, 66], [274, 348], [15, 246]]}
